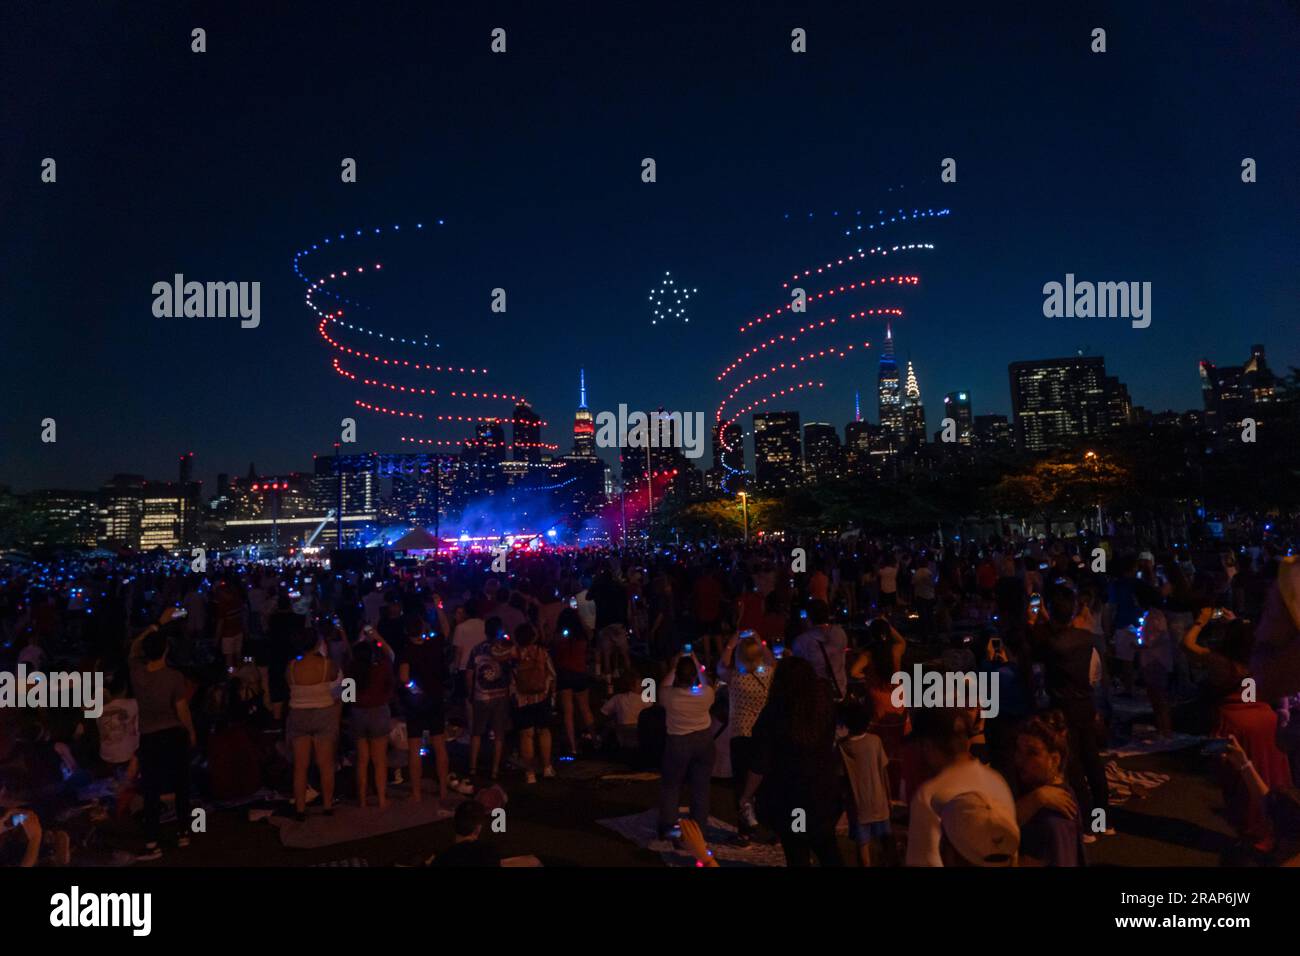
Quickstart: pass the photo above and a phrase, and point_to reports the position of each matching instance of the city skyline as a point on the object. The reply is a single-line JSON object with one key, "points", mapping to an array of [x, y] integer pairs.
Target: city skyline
{"points": [[577, 238], [563, 432]]}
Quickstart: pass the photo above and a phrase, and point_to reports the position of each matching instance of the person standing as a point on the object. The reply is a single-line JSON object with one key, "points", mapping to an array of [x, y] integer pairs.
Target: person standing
{"points": [[797, 765], [534, 695], [166, 734], [687, 697], [1064, 645], [1046, 809], [371, 715], [491, 671], [824, 646], [312, 727], [421, 679], [747, 671]]}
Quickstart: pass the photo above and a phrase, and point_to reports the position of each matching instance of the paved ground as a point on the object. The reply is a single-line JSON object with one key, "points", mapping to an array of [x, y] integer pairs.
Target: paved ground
{"points": [[1177, 824]]}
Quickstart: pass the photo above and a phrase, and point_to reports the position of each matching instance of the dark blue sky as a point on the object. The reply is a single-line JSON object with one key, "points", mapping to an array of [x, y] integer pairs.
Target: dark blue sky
{"points": [[1122, 166]]}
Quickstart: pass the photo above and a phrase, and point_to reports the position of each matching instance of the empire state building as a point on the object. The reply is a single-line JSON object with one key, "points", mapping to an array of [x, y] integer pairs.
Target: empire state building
{"points": [[584, 426]]}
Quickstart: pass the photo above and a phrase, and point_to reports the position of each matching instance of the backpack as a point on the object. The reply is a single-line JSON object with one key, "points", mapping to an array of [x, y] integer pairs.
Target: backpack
{"points": [[532, 676]]}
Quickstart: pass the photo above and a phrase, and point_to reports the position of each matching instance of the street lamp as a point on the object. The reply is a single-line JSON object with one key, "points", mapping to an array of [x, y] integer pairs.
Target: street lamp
{"points": [[1091, 458], [744, 506]]}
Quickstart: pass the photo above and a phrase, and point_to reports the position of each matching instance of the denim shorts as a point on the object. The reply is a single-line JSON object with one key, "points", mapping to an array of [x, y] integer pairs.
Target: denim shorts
{"points": [[318, 723], [370, 723]]}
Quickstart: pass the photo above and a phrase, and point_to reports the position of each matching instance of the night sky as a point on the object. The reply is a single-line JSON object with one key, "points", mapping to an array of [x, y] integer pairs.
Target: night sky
{"points": [[1121, 167]]}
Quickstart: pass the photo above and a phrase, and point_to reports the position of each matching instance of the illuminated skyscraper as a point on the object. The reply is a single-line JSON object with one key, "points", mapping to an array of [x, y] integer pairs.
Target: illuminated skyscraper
{"points": [[913, 412], [821, 451], [890, 392], [778, 458], [1058, 401], [526, 434], [956, 405], [1234, 392], [584, 426]]}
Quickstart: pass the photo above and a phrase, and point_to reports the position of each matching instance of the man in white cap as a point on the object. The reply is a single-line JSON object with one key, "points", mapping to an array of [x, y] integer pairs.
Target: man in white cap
{"points": [[945, 747], [977, 833]]}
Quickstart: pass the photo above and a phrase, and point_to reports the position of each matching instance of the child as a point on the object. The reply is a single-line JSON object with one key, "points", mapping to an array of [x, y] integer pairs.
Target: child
{"points": [[625, 707], [491, 672], [119, 739], [866, 769]]}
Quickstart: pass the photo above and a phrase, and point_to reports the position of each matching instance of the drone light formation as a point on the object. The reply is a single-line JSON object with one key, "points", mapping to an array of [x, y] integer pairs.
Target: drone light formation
{"points": [[668, 301]]}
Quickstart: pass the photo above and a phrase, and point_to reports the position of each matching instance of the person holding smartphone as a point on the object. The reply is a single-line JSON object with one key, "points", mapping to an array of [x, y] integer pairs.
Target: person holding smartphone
{"points": [[687, 697], [1280, 803], [20, 837]]}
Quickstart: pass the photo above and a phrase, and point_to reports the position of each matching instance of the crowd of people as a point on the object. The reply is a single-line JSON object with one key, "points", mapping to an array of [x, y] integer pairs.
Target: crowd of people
{"points": [[765, 664]]}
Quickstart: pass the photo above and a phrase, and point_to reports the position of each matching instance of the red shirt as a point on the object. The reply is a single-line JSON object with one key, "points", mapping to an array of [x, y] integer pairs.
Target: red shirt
{"points": [[570, 654], [379, 687], [708, 599], [751, 611]]}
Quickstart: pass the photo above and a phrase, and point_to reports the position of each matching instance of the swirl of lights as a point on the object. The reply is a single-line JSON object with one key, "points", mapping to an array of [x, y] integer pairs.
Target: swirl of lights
{"points": [[358, 349], [820, 338]]}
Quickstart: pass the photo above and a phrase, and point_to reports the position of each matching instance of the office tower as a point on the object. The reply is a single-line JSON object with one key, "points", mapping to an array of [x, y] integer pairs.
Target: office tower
{"points": [[1234, 392], [889, 390], [993, 432], [167, 509], [421, 488], [121, 507], [1059, 401], [858, 438], [527, 435], [821, 451], [67, 518], [347, 485], [956, 405], [778, 457], [1119, 407], [913, 412], [193, 492]]}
